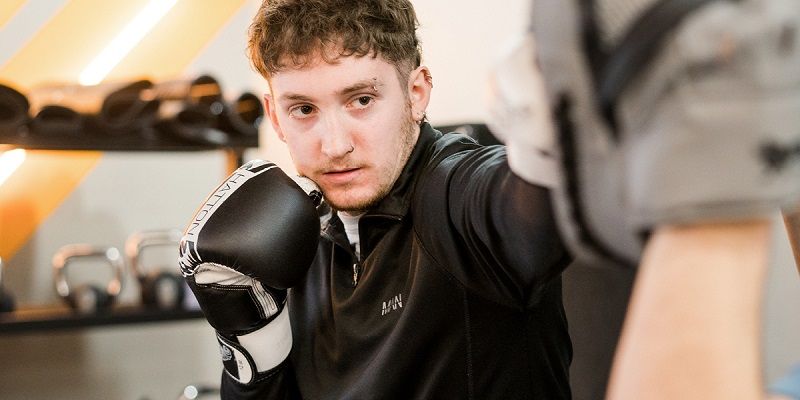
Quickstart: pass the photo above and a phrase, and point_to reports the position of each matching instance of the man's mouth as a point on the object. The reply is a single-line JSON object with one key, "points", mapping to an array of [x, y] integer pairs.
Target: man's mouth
{"points": [[341, 175]]}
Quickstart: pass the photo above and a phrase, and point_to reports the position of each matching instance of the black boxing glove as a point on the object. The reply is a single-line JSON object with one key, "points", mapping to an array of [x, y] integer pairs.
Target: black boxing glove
{"points": [[253, 237]]}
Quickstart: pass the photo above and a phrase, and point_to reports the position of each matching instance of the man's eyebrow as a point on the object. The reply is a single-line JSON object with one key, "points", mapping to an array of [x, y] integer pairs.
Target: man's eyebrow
{"points": [[295, 97], [370, 84]]}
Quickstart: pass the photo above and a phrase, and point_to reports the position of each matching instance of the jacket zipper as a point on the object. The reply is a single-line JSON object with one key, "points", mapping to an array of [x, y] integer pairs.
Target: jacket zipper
{"points": [[356, 272], [357, 263]]}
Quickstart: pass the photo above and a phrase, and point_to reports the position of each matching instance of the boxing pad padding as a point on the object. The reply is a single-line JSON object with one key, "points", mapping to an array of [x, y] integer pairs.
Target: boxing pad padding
{"points": [[662, 112], [708, 130]]}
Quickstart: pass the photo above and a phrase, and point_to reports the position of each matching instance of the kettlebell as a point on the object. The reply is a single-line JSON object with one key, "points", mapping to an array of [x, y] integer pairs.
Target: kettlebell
{"points": [[7, 303], [161, 286], [87, 298]]}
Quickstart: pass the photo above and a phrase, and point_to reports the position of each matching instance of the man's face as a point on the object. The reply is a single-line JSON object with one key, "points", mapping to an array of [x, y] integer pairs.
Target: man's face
{"points": [[349, 126]]}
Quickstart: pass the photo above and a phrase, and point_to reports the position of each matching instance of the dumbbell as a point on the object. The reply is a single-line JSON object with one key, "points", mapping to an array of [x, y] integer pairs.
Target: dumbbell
{"points": [[161, 286], [87, 298], [7, 303]]}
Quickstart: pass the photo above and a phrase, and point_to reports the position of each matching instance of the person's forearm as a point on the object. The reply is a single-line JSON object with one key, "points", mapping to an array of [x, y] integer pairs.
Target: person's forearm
{"points": [[693, 325], [792, 221]]}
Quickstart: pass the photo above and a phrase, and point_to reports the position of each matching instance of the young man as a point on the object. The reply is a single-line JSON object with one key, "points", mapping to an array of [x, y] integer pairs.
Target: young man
{"points": [[437, 271]]}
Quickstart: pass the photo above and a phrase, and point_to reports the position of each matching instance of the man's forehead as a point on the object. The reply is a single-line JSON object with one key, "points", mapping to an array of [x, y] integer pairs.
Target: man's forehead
{"points": [[345, 73], [332, 57], [331, 52]]}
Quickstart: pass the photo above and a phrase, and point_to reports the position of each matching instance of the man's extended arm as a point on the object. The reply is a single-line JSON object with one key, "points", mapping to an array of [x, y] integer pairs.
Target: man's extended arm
{"points": [[792, 221], [693, 325]]}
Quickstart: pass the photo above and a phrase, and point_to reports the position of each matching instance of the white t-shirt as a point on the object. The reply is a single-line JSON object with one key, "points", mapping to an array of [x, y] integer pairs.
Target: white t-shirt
{"points": [[350, 222]]}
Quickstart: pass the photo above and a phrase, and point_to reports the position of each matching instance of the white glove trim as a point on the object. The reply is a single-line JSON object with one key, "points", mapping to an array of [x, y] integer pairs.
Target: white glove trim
{"points": [[261, 350], [270, 345]]}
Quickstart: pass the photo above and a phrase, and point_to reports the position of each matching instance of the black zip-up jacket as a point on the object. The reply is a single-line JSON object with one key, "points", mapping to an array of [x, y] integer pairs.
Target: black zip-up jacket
{"points": [[457, 294]]}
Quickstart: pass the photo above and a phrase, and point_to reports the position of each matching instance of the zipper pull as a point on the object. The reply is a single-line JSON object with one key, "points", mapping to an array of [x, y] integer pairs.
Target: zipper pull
{"points": [[356, 271]]}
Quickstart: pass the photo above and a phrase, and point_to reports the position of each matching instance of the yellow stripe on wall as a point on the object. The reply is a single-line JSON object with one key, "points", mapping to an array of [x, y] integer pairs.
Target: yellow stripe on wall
{"points": [[59, 52], [8, 8], [69, 41], [35, 189], [172, 45]]}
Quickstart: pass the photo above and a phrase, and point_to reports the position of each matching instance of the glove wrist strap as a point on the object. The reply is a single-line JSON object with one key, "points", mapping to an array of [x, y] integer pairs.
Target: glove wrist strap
{"points": [[247, 357]]}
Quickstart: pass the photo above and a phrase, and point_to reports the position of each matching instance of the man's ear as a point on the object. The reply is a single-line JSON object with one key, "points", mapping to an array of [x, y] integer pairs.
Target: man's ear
{"points": [[269, 104], [420, 84]]}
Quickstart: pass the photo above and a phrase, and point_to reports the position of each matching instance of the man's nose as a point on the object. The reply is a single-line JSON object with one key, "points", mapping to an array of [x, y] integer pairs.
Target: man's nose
{"points": [[336, 138]]}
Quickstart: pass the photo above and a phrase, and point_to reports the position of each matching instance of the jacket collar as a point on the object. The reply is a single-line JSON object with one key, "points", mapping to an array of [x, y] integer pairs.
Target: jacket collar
{"points": [[397, 202]]}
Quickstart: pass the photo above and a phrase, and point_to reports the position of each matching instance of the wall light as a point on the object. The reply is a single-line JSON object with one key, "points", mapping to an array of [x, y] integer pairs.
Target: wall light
{"points": [[9, 162], [121, 45]]}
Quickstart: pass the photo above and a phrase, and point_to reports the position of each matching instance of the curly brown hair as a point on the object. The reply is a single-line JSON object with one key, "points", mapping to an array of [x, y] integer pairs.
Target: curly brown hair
{"points": [[291, 33]]}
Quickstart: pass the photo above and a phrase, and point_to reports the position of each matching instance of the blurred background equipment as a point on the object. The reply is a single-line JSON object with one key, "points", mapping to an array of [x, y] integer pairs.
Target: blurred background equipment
{"points": [[160, 285], [14, 109], [196, 111], [115, 108], [6, 299], [193, 392], [188, 111], [87, 298]]}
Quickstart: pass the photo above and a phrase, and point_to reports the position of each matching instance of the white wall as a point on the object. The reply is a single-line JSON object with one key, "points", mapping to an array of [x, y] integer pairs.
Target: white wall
{"points": [[132, 191]]}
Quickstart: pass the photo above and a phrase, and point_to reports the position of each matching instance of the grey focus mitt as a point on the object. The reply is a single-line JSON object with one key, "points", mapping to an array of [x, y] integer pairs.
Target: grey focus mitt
{"points": [[655, 112]]}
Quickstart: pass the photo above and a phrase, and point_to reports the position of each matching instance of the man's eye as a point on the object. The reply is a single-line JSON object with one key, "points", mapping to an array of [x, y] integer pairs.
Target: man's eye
{"points": [[362, 101], [301, 111]]}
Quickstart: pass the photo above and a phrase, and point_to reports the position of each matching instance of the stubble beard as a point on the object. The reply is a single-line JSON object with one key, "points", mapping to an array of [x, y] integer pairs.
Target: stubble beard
{"points": [[387, 176]]}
